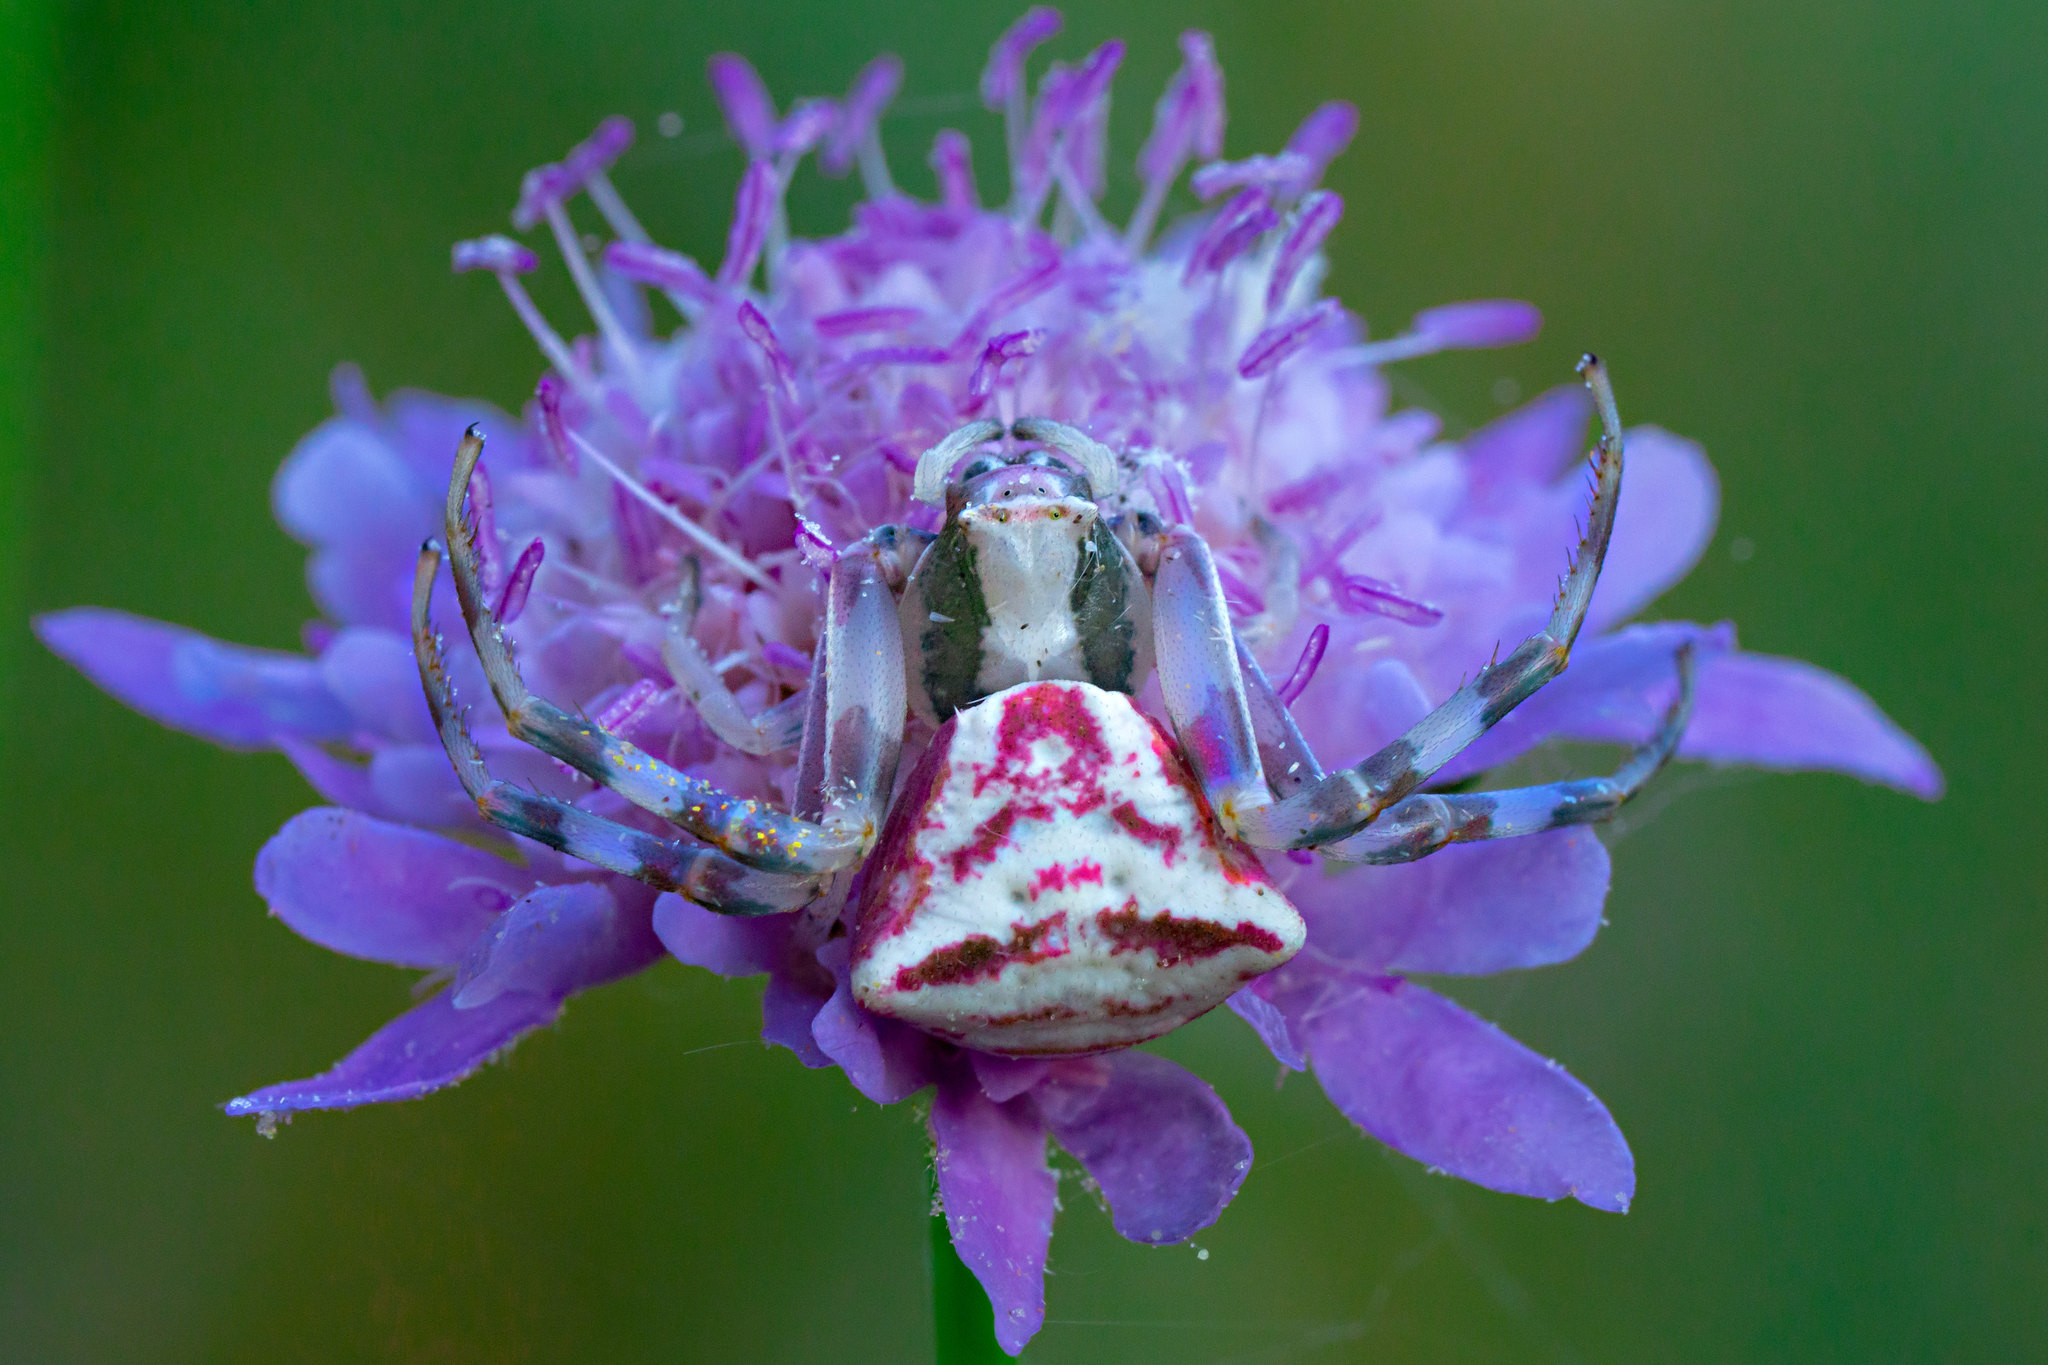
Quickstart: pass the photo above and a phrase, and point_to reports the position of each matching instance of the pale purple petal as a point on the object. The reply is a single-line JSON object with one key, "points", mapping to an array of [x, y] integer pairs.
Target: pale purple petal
{"points": [[1754, 709], [1469, 910], [1271, 1025], [884, 1060], [338, 781], [998, 1199], [233, 695], [1005, 1078], [1156, 1139], [733, 945], [374, 674], [386, 892], [555, 941], [1458, 1095], [428, 1047], [1772, 712], [1670, 500], [1534, 443]]}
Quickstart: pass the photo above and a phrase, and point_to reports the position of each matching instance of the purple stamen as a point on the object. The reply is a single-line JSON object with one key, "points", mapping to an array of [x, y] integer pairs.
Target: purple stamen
{"points": [[872, 92], [497, 254], [808, 124], [1187, 121], [1325, 133], [548, 396], [508, 260], [627, 705], [1284, 338], [512, 602], [540, 187], [953, 163], [1304, 667], [1479, 324], [1034, 281], [1002, 80], [1316, 215], [758, 330], [749, 112], [751, 216], [483, 522], [1232, 228], [596, 153], [785, 656], [1285, 174], [1370, 596], [999, 352], [671, 272], [850, 322], [897, 355]]}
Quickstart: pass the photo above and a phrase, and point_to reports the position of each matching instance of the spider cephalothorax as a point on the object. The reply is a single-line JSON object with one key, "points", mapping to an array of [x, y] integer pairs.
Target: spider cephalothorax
{"points": [[1060, 872]]}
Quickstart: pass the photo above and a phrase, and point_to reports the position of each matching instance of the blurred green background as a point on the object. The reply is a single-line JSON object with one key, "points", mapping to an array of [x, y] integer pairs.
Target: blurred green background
{"points": [[1807, 234]]}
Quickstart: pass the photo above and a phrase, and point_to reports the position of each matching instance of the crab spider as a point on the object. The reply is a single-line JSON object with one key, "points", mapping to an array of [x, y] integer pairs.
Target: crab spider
{"points": [[1059, 873]]}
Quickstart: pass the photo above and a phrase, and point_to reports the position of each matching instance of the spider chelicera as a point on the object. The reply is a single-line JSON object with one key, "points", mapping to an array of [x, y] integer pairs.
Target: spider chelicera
{"points": [[1060, 872]]}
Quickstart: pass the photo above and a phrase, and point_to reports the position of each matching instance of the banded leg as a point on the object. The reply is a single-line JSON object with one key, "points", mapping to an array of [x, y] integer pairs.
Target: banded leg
{"points": [[1420, 825], [1345, 801], [749, 831], [710, 879]]}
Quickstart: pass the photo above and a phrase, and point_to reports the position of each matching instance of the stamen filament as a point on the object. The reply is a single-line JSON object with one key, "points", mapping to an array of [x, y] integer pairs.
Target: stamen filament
{"points": [[738, 562]]}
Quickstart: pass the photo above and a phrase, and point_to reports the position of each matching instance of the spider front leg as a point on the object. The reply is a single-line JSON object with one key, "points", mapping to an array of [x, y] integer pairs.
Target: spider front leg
{"points": [[710, 879], [774, 730], [1420, 825], [1346, 801], [865, 732]]}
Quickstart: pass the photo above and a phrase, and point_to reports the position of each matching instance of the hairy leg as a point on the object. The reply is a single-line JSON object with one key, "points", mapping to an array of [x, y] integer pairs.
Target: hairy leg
{"points": [[1420, 825], [710, 879], [1348, 800]]}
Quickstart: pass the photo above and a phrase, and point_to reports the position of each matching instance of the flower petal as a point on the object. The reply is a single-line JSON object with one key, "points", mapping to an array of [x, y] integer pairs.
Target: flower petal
{"points": [[1155, 1137], [1756, 709], [998, 1198], [374, 674], [1454, 1092], [1773, 712], [555, 941], [1469, 910], [233, 695], [1670, 500], [1532, 444], [385, 892], [1271, 1025], [732, 945], [428, 1047], [884, 1060]]}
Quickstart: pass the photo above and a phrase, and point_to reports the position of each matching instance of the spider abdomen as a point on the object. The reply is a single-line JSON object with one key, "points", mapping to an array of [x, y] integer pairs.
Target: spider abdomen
{"points": [[1051, 881]]}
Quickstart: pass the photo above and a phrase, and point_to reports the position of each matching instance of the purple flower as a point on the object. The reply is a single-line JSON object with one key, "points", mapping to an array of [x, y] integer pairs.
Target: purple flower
{"points": [[712, 471]]}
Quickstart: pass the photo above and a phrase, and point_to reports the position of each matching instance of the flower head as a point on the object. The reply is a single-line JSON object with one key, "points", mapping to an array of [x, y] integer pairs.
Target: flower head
{"points": [[712, 471]]}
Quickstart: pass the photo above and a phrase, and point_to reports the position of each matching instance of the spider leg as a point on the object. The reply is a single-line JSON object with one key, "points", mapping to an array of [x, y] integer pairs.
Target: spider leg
{"points": [[778, 728], [1346, 801], [1420, 825], [864, 737], [710, 879], [1199, 676]]}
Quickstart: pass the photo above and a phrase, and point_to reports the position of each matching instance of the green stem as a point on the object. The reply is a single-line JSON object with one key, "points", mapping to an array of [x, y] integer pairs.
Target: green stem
{"points": [[963, 1324]]}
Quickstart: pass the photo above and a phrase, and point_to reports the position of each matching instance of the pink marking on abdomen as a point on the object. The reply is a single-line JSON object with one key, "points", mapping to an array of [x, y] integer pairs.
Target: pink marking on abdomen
{"points": [[1059, 877], [979, 957], [1179, 940], [988, 840], [1163, 837]]}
